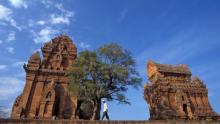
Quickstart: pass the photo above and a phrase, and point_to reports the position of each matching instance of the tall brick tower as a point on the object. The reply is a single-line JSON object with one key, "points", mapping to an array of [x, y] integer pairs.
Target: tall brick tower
{"points": [[46, 90]]}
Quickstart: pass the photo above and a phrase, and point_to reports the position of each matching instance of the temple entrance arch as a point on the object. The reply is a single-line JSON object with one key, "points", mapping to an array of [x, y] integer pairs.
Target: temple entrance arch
{"points": [[185, 109], [56, 106]]}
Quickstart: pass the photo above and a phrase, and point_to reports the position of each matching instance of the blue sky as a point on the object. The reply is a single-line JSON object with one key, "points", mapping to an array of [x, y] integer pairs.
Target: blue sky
{"points": [[166, 31]]}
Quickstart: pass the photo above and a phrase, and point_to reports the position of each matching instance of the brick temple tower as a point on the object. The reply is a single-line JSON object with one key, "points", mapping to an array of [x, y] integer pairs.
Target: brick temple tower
{"points": [[46, 90], [172, 94]]}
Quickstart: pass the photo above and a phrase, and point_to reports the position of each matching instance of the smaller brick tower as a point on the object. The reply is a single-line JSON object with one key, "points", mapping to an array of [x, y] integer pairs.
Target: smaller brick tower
{"points": [[172, 94]]}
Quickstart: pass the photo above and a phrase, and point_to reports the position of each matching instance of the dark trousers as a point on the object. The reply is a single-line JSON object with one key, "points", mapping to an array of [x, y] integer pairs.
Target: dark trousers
{"points": [[105, 114]]}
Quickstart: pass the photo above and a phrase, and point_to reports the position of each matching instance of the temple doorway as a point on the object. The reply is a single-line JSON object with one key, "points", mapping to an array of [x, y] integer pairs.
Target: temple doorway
{"points": [[185, 109], [56, 105]]}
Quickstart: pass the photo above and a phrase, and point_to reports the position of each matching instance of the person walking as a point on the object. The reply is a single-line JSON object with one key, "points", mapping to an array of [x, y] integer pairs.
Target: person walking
{"points": [[105, 110]]}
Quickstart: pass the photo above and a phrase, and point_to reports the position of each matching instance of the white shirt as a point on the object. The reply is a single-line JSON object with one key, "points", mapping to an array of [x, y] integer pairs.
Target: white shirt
{"points": [[105, 107]]}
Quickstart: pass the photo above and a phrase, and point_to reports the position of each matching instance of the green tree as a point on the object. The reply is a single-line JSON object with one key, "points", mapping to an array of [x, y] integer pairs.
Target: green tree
{"points": [[105, 73]]}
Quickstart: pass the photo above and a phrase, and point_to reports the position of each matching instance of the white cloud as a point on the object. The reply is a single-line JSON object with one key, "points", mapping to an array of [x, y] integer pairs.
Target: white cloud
{"points": [[84, 45], [60, 7], [18, 3], [56, 19], [52, 4], [10, 50], [67, 13], [5, 12], [41, 22], [11, 36], [14, 24], [6, 15], [2, 67], [32, 23], [47, 3], [63, 18], [10, 86], [44, 35]]}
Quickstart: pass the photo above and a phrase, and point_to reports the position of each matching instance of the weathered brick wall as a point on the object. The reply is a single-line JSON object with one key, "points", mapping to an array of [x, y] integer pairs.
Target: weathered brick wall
{"points": [[31, 121]]}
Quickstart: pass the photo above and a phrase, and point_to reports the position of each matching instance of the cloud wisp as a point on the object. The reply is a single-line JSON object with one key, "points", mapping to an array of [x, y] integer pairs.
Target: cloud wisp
{"points": [[57, 19], [19, 3], [11, 37], [54, 20], [2, 67], [44, 35], [63, 18], [6, 16], [10, 50], [84, 45]]}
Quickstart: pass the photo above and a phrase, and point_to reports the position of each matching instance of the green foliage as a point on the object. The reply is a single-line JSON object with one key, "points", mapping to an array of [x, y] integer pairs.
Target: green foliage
{"points": [[119, 71], [84, 76], [105, 73]]}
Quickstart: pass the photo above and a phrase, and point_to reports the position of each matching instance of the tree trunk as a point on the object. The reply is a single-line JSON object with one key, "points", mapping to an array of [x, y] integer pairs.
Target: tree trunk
{"points": [[96, 110]]}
